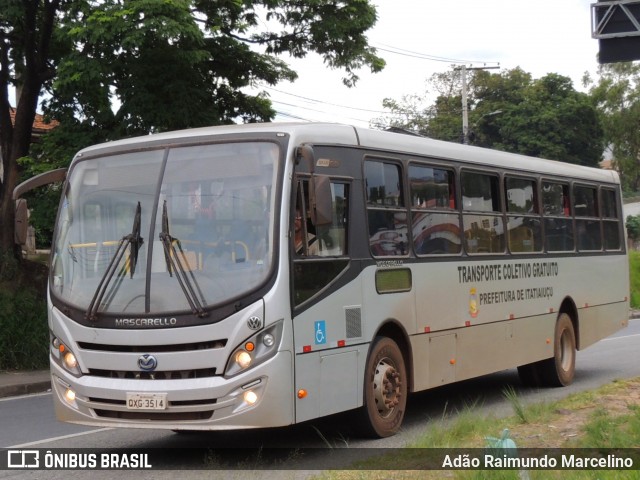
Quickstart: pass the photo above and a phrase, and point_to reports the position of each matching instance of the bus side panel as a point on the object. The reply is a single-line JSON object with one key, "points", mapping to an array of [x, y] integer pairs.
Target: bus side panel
{"points": [[601, 293], [332, 380], [481, 316], [467, 352], [601, 321], [330, 354]]}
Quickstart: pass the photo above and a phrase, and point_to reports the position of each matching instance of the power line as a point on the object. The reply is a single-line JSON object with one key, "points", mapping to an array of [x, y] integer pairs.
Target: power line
{"points": [[290, 115], [325, 113], [323, 102], [390, 49], [425, 56]]}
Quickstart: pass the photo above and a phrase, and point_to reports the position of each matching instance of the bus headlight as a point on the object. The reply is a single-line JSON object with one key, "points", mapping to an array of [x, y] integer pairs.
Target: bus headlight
{"points": [[243, 359], [255, 350], [70, 361], [64, 356]]}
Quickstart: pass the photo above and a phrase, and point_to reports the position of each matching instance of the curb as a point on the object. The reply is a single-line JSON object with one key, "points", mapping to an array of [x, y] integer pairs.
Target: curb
{"points": [[13, 383], [24, 389]]}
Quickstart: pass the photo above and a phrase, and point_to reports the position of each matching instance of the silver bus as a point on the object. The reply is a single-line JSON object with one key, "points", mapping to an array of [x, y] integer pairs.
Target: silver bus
{"points": [[267, 274]]}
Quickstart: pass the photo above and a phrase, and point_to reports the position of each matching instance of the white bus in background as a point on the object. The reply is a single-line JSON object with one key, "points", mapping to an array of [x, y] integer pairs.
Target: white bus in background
{"points": [[179, 299]]}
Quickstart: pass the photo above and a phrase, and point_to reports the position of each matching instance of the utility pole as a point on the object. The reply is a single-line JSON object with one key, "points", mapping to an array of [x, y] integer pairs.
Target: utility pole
{"points": [[465, 109]]}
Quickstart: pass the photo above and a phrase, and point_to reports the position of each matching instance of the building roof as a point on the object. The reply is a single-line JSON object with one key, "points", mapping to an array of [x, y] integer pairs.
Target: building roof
{"points": [[40, 126]]}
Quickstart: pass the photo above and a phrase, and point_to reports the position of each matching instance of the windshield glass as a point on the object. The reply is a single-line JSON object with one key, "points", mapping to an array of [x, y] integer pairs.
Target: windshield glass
{"points": [[157, 231]]}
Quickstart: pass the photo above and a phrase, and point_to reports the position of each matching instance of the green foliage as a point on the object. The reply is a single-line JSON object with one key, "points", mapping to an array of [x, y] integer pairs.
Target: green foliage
{"points": [[185, 63], [9, 267], [120, 68], [634, 278], [23, 315], [441, 120], [518, 407], [552, 121], [616, 95], [606, 431], [633, 226], [25, 335], [508, 111]]}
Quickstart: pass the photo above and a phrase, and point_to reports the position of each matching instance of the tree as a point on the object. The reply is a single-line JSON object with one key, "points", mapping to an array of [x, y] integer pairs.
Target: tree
{"points": [[441, 120], [26, 43], [125, 67], [617, 97], [512, 112], [552, 120], [633, 227]]}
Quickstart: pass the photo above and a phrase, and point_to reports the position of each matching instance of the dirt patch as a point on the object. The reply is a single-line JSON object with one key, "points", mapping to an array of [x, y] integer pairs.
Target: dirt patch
{"points": [[566, 427]]}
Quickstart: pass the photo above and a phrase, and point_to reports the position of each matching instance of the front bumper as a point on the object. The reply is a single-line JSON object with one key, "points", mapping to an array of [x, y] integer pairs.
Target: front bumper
{"points": [[212, 403]]}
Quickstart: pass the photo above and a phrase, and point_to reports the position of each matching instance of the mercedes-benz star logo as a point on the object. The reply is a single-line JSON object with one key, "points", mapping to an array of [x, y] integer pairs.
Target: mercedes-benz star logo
{"points": [[147, 363]]}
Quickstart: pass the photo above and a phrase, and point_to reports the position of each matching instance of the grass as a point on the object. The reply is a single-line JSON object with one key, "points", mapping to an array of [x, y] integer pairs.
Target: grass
{"points": [[608, 417], [634, 278]]}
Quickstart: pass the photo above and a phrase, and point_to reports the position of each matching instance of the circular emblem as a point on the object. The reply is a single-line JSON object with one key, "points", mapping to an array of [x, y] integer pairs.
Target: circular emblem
{"points": [[147, 363], [254, 323]]}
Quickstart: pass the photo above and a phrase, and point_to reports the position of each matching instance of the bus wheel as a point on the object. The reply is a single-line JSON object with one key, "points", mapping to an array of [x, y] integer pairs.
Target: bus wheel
{"points": [[530, 375], [385, 389], [559, 370]]}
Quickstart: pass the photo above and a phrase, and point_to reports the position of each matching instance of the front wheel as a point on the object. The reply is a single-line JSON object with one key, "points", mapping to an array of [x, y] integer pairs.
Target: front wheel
{"points": [[385, 389]]}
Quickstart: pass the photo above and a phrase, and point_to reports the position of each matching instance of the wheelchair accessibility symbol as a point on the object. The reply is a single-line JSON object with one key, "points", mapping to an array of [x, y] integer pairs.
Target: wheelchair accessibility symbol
{"points": [[321, 332]]}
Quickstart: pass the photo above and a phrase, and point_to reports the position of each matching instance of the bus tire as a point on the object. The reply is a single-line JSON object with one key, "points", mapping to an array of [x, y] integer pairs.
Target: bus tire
{"points": [[530, 375], [559, 370], [385, 390]]}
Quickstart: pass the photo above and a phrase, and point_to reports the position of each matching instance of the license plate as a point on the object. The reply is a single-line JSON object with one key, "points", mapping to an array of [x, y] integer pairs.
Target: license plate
{"points": [[146, 401]]}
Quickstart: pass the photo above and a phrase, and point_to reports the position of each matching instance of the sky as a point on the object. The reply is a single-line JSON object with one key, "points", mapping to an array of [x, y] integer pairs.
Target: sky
{"points": [[418, 38]]}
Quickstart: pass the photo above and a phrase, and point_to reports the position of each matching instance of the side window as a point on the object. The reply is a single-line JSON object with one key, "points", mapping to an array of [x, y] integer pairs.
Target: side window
{"points": [[319, 251], [585, 204], [435, 221], [523, 219], [610, 219], [386, 213], [482, 219], [558, 224]]}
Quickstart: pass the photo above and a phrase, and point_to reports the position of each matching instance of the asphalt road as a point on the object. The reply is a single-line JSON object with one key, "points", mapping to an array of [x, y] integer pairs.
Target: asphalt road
{"points": [[29, 422]]}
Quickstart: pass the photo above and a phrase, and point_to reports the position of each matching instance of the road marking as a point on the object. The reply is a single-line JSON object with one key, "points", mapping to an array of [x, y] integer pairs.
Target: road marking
{"points": [[63, 437], [621, 336], [26, 395]]}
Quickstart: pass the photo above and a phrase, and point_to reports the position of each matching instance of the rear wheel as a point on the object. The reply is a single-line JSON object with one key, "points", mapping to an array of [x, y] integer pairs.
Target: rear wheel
{"points": [[530, 374], [560, 370], [385, 390]]}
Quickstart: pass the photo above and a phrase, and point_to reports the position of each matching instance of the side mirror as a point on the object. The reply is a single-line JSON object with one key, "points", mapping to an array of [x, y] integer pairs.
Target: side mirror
{"points": [[21, 222], [321, 200]]}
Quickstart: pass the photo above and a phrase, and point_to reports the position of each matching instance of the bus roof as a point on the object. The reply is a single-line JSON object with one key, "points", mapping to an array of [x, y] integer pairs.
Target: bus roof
{"points": [[390, 142]]}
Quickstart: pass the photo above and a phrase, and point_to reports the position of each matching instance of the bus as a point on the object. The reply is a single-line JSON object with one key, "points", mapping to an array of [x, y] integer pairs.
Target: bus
{"points": [[263, 275]]}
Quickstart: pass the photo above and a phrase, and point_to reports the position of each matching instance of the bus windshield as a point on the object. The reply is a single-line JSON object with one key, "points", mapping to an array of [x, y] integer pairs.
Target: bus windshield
{"points": [[163, 230]]}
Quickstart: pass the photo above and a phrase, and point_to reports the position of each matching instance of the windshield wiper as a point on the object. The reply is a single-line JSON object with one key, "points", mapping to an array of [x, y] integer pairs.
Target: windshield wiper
{"points": [[135, 241], [175, 262]]}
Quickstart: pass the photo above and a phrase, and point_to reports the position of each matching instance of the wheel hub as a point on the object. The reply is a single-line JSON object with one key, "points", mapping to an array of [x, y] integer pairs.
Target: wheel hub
{"points": [[386, 387]]}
